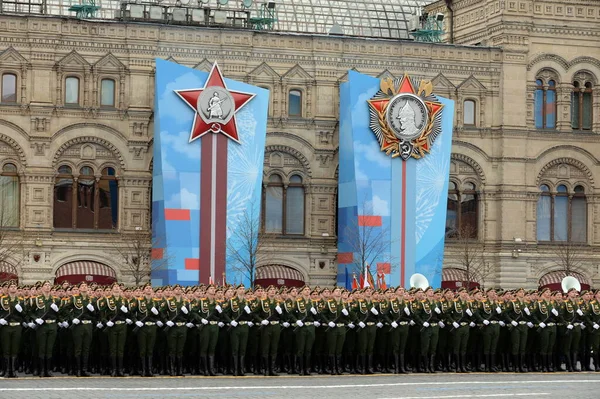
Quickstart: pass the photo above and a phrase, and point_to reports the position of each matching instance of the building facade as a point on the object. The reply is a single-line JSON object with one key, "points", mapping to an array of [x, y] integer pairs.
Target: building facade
{"points": [[76, 128]]}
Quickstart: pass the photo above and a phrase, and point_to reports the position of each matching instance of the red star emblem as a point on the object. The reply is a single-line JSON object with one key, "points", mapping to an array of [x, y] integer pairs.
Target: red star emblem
{"points": [[209, 122]]}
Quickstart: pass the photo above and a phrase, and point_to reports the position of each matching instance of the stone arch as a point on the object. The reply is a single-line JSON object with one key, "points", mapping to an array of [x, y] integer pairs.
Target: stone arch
{"points": [[569, 161], [292, 151], [472, 163], [103, 258], [547, 73], [585, 60], [89, 139], [553, 58], [18, 150]]}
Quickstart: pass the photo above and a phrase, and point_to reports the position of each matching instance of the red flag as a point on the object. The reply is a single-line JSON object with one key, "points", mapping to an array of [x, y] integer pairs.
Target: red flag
{"points": [[362, 281], [354, 282]]}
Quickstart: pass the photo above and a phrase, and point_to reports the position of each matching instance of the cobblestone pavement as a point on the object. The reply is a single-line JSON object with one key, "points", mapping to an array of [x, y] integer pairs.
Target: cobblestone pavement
{"points": [[442, 386]]}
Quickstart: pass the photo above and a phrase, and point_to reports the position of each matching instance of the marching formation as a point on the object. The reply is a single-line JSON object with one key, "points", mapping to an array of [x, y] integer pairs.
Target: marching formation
{"points": [[209, 330]]}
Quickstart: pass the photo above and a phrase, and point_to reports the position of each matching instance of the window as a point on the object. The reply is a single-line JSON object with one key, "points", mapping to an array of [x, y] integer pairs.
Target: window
{"points": [[545, 104], [9, 196], [469, 112], [274, 205], [9, 88], [109, 199], [462, 215], [284, 206], [295, 103], [85, 202], [581, 105], [562, 216], [107, 93], [72, 90], [294, 206]]}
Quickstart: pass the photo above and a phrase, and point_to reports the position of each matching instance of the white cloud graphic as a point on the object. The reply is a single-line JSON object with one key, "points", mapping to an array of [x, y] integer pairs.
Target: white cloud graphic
{"points": [[372, 153], [379, 206], [180, 143], [184, 200]]}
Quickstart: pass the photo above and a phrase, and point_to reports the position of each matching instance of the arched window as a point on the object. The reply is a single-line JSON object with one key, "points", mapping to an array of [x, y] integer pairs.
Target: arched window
{"points": [[9, 88], [72, 90], [295, 103], [63, 198], [85, 202], [469, 113], [544, 212], [9, 196], [107, 93], [109, 199], [545, 104], [582, 104], [273, 222], [462, 215], [294, 206], [284, 206], [86, 198], [562, 216]]}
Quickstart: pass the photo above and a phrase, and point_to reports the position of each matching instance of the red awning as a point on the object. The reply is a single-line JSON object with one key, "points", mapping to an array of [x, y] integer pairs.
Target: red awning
{"points": [[7, 272], [553, 280], [278, 275], [76, 272], [453, 278]]}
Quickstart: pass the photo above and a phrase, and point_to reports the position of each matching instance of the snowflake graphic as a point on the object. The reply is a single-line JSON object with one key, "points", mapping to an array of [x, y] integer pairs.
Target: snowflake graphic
{"points": [[432, 174]]}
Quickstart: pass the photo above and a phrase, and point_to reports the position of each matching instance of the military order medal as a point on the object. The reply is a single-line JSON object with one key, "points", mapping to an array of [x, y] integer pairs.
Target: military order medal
{"points": [[405, 121]]}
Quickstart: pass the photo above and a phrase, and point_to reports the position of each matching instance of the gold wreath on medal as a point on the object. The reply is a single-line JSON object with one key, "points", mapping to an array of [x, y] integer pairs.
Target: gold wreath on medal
{"points": [[405, 121]]}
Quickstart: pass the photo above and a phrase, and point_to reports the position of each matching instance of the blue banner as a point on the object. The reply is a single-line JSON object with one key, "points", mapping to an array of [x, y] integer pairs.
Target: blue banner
{"points": [[395, 145]]}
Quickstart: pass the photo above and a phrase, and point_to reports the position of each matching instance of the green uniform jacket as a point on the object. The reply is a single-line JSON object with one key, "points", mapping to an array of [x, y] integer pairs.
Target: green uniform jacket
{"points": [[172, 310], [41, 308], [110, 309], [75, 307], [301, 311], [141, 309], [8, 311]]}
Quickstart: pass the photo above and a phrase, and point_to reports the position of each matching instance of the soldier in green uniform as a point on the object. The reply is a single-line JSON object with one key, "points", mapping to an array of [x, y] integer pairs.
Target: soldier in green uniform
{"points": [[459, 318], [541, 314], [287, 336], [444, 341], [178, 321], [269, 315], [252, 356], [115, 316], [517, 315], [573, 317], [488, 314], [12, 311], [238, 314], [398, 328], [44, 312], [145, 312], [336, 315], [369, 317], [303, 316], [593, 321], [207, 314], [80, 311], [318, 297]]}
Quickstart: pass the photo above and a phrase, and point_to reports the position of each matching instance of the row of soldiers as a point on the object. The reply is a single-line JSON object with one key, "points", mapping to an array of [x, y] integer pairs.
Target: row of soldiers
{"points": [[210, 329]]}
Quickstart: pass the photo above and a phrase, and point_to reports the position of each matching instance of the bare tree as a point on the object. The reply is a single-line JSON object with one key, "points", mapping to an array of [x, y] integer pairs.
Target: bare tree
{"points": [[248, 246], [469, 254], [368, 243], [568, 257], [135, 250], [12, 243]]}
